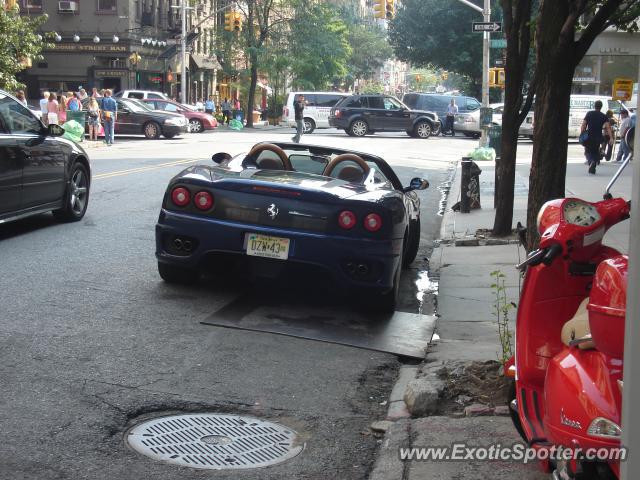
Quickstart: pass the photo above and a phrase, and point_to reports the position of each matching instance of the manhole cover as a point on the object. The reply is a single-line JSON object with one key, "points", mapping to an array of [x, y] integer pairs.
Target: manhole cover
{"points": [[214, 442]]}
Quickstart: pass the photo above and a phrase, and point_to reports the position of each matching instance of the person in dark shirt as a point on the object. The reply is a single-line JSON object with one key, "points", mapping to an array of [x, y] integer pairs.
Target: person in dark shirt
{"points": [[298, 108], [592, 124]]}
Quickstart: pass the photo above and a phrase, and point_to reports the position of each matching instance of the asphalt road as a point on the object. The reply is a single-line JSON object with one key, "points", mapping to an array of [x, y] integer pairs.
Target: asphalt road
{"points": [[92, 340]]}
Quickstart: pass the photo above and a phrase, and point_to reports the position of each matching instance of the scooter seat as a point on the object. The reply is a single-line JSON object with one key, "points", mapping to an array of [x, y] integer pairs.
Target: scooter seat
{"points": [[578, 327]]}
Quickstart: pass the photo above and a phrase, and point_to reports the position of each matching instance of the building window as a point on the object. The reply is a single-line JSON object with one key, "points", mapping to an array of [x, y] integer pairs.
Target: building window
{"points": [[107, 6], [32, 5]]}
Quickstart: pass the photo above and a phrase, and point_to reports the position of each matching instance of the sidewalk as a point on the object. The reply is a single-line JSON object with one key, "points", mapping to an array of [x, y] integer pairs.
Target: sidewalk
{"points": [[467, 335]]}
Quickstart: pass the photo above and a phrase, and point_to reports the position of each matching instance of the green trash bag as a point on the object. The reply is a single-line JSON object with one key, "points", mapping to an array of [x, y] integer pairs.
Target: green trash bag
{"points": [[235, 124], [73, 131], [486, 154]]}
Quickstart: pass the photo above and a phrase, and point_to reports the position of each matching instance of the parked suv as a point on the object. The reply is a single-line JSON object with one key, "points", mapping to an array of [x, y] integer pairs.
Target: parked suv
{"points": [[468, 119], [141, 94], [317, 107], [359, 115]]}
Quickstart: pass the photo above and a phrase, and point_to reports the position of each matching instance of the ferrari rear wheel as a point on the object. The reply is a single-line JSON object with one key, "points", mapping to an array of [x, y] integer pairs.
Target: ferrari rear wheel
{"points": [[359, 128], [388, 301], [174, 274], [413, 243]]}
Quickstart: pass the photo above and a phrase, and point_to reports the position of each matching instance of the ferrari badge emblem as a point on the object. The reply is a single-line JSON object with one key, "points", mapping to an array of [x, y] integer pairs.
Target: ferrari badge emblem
{"points": [[272, 211]]}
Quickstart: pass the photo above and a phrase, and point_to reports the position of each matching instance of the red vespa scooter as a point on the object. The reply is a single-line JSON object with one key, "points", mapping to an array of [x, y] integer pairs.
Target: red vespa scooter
{"points": [[570, 339]]}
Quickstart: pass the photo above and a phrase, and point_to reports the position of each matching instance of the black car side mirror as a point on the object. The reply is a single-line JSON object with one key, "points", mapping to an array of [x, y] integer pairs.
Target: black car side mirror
{"points": [[220, 157], [417, 183], [54, 130]]}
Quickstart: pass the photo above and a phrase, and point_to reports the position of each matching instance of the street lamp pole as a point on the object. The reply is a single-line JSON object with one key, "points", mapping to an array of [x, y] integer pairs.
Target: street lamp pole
{"points": [[183, 52], [486, 37]]}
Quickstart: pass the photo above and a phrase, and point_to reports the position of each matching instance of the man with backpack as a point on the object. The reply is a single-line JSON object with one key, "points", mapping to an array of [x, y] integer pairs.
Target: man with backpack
{"points": [[591, 135]]}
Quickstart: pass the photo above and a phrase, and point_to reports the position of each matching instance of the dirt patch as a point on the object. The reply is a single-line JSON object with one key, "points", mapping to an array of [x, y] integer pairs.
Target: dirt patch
{"points": [[474, 382]]}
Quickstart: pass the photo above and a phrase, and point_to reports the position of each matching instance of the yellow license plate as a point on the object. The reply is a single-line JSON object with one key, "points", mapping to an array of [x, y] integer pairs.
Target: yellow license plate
{"points": [[268, 247]]}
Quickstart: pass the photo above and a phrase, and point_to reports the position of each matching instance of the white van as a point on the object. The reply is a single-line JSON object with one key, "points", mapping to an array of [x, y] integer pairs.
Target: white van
{"points": [[318, 105], [579, 105]]}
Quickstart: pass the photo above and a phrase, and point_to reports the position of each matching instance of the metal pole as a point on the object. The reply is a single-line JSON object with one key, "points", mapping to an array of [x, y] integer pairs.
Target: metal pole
{"points": [[631, 390], [486, 36], [183, 52]]}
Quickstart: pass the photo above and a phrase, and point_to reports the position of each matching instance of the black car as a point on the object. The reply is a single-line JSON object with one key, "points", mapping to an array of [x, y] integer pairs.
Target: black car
{"points": [[343, 215], [135, 118], [39, 171], [359, 115]]}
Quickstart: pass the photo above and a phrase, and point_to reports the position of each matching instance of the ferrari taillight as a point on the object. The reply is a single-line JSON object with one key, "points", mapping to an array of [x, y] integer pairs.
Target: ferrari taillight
{"points": [[180, 196], [203, 200], [347, 219], [373, 222]]}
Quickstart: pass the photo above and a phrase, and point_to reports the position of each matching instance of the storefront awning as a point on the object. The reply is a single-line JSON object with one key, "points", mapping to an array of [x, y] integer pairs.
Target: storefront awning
{"points": [[205, 63]]}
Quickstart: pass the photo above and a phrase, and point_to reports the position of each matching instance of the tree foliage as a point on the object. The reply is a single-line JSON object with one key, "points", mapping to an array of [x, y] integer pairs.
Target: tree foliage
{"points": [[19, 43], [369, 49], [319, 46], [438, 33]]}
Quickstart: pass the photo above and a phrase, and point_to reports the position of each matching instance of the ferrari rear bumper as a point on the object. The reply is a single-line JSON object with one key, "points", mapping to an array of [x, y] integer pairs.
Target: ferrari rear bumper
{"points": [[360, 263]]}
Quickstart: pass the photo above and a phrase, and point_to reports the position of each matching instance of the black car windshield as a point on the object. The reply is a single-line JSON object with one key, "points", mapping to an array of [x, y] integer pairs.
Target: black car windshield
{"points": [[135, 106]]}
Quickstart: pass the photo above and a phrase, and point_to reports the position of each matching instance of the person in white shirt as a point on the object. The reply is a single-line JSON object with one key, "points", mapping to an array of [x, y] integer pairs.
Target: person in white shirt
{"points": [[452, 111], [625, 123], [44, 107]]}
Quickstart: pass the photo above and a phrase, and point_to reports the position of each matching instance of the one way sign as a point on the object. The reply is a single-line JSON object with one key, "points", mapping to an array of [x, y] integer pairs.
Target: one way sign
{"points": [[487, 27]]}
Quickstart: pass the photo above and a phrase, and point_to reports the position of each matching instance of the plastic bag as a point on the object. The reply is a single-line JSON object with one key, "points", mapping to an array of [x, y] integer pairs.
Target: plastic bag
{"points": [[483, 154], [73, 131], [235, 124]]}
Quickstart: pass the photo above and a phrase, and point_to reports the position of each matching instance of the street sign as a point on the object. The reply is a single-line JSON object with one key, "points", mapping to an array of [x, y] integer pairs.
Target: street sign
{"points": [[622, 89], [499, 62], [498, 43], [487, 27]]}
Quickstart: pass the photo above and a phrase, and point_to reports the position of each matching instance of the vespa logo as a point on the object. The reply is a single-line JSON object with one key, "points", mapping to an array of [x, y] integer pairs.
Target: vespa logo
{"points": [[272, 210], [564, 420]]}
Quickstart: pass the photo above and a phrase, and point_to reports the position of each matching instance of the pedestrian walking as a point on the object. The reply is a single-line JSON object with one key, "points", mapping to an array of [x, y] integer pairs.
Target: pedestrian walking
{"points": [[298, 108], [52, 109], [210, 105], [109, 116], [452, 111], [226, 111], [44, 110], [607, 143], [21, 98], [93, 118], [625, 122], [62, 110], [591, 135]]}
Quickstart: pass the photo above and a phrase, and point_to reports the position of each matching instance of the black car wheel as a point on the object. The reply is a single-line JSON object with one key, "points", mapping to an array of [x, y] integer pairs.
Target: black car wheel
{"points": [[196, 126], [173, 274], [76, 197], [152, 130], [309, 126], [359, 128], [423, 129], [413, 243]]}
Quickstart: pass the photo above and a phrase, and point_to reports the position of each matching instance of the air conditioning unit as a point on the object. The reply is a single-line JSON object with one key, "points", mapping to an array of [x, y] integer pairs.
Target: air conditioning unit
{"points": [[65, 6]]}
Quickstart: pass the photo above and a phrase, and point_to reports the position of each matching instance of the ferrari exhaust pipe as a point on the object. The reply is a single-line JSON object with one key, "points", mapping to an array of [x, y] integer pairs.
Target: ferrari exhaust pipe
{"points": [[363, 269], [177, 243], [187, 245]]}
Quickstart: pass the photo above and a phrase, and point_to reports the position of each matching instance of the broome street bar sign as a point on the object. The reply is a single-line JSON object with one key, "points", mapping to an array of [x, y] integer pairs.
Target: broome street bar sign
{"points": [[89, 47]]}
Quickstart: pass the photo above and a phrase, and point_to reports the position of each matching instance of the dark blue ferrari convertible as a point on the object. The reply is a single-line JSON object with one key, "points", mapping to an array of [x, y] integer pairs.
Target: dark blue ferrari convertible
{"points": [[340, 213]]}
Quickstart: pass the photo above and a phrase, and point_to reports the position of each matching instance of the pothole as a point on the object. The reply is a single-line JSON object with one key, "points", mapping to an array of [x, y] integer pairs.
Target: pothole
{"points": [[214, 442]]}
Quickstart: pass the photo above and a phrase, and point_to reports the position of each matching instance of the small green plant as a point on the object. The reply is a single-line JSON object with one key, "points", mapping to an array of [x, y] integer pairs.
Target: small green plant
{"points": [[501, 310]]}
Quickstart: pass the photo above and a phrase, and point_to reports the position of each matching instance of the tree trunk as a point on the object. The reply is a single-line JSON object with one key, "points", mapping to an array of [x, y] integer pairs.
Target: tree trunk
{"points": [[252, 90], [554, 72]]}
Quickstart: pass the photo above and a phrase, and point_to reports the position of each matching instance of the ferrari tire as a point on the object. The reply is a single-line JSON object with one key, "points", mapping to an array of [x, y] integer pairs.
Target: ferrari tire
{"points": [[413, 243], [76, 196], [196, 126], [422, 130], [308, 126], [387, 302], [515, 417], [359, 128], [151, 130], [174, 274]]}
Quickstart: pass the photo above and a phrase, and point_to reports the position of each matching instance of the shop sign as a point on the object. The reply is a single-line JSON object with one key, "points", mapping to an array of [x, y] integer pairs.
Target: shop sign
{"points": [[110, 73], [618, 50], [622, 89], [75, 47]]}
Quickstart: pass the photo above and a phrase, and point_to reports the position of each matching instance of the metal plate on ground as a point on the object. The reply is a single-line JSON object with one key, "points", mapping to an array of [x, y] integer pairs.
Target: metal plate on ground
{"points": [[214, 442], [400, 333]]}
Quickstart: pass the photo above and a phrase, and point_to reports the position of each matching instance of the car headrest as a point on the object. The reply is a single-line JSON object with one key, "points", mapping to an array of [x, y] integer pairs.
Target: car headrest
{"points": [[270, 164], [350, 173]]}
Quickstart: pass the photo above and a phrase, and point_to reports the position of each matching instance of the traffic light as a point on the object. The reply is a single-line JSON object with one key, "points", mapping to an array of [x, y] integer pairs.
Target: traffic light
{"points": [[500, 77], [237, 22], [390, 10], [228, 21], [380, 9], [496, 77]]}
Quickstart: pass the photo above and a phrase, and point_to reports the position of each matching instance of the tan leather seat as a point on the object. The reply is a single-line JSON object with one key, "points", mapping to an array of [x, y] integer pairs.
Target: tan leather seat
{"points": [[351, 174], [578, 327]]}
